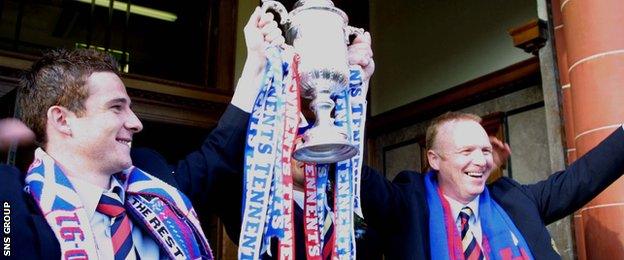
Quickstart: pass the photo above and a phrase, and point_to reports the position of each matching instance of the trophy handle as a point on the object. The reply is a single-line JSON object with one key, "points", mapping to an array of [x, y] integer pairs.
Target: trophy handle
{"points": [[350, 30], [278, 8]]}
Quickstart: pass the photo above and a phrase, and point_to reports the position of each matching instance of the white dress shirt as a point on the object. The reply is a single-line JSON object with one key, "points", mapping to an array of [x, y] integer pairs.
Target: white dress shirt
{"points": [[299, 197], [474, 221], [100, 224]]}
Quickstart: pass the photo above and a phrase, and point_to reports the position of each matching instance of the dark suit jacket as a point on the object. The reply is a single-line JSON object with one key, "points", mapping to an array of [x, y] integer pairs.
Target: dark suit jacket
{"points": [[399, 210], [299, 238], [210, 177]]}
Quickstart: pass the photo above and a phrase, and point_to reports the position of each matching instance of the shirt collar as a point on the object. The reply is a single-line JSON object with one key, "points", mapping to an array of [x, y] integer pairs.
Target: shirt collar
{"points": [[457, 206], [90, 194]]}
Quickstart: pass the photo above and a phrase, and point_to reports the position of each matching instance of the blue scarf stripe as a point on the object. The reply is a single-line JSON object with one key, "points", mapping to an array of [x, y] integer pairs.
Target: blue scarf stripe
{"points": [[492, 215], [252, 131], [61, 204], [137, 177], [36, 187], [60, 178], [496, 225]]}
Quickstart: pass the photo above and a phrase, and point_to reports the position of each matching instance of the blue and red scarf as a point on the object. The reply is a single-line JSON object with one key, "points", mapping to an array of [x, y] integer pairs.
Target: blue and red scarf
{"points": [[498, 241], [161, 209]]}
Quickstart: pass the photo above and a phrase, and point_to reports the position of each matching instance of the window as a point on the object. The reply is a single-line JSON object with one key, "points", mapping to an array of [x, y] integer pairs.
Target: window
{"points": [[172, 40]]}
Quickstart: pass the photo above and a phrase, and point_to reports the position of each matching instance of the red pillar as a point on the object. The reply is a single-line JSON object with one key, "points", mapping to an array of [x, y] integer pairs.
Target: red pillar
{"points": [[591, 58], [568, 118]]}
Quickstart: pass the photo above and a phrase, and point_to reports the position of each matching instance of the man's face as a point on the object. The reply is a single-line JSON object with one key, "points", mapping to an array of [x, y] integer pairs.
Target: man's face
{"points": [[102, 136], [462, 154]]}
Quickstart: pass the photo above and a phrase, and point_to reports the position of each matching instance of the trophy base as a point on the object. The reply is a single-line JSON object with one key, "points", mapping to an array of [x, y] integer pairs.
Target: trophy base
{"points": [[329, 149]]}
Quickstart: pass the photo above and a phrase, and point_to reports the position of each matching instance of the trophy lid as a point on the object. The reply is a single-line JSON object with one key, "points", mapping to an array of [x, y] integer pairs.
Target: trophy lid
{"points": [[318, 4], [313, 3]]}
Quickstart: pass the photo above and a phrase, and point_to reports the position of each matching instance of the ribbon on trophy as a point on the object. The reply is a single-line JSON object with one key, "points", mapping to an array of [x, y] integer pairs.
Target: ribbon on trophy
{"points": [[315, 208], [268, 183], [267, 196], [350, 116]]}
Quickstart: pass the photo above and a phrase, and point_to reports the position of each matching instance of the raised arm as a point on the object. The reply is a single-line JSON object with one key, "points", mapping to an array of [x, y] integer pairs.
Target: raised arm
{"points": [[566, 191], [212, 175], [384, 202]]}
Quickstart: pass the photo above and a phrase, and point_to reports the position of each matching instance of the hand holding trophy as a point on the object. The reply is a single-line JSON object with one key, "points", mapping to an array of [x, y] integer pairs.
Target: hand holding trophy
{"points": [[319, 33], [315, 66]]}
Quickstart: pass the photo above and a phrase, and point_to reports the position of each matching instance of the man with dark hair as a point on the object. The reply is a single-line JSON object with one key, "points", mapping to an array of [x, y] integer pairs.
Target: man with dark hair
{"points": [[450, 212], [83, 198], [61, 78]]}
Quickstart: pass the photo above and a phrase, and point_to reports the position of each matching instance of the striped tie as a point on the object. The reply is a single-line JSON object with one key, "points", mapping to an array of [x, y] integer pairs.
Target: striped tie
{"points": [[328, 236], [472, 250], [121, 235]]}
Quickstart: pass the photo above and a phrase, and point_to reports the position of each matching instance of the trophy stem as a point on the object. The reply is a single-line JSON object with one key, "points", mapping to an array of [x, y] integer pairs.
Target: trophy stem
{"points": [[324, 142], [322, 106]]}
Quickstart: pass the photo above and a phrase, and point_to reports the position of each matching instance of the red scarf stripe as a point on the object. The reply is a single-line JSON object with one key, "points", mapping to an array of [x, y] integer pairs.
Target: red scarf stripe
{"points": [[328, 248], [110, 209], [121, 233], [452, 235]]}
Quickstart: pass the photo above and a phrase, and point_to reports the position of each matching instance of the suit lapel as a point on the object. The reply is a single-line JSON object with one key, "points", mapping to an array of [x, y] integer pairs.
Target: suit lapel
{"points": [[49, 246]]}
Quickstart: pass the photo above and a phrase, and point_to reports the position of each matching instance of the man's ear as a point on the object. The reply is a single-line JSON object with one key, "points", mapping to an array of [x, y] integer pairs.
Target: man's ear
{"points": [[58, 119], [434, 160]]}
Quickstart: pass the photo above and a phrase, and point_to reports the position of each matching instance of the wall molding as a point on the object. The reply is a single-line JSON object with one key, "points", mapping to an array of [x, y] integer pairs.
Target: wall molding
{"points": [[153, 99], [518, 76]]}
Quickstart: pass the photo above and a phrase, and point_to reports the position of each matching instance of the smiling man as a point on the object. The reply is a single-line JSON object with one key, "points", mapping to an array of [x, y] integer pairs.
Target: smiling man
{"points": [[93, 140], [83, 197], [450, 212], [461, 152]]}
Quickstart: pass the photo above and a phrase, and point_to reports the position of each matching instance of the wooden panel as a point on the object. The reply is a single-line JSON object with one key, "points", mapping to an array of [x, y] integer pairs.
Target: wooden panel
{"points": [[515, 77], [493, 125], [228, 11]]}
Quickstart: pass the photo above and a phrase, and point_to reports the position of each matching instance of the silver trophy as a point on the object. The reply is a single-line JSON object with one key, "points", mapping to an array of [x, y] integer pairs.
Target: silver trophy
{"points": [[319, 33]]}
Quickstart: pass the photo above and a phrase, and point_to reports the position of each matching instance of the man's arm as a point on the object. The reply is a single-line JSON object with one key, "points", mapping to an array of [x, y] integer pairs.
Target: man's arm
{"points": [[222, 151], [260, 31], [31, 237], [212, 175], [383, 202], [566, 191]]}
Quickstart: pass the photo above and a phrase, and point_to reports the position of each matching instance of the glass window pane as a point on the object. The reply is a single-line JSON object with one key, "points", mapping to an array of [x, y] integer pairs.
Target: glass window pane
{"points": [[157, 38]]}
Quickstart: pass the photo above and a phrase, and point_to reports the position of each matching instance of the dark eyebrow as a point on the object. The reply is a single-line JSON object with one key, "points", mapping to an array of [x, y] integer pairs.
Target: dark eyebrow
{"points": [[117, 100]]}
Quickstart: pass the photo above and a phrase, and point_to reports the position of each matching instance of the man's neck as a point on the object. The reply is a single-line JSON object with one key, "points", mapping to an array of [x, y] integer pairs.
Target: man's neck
{"points": [[78, 167], [456, 197], [463, 201]]}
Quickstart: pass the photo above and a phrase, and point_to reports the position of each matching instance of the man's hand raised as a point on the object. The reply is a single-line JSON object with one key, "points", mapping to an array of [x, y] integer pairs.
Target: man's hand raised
{"points": [[13, 131], [260, 31], [500, 151]]}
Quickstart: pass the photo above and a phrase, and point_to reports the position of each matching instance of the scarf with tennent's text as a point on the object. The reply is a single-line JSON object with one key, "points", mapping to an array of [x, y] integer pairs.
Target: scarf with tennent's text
{"points": [[160, 209], [267, 199], [501, 239]]}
